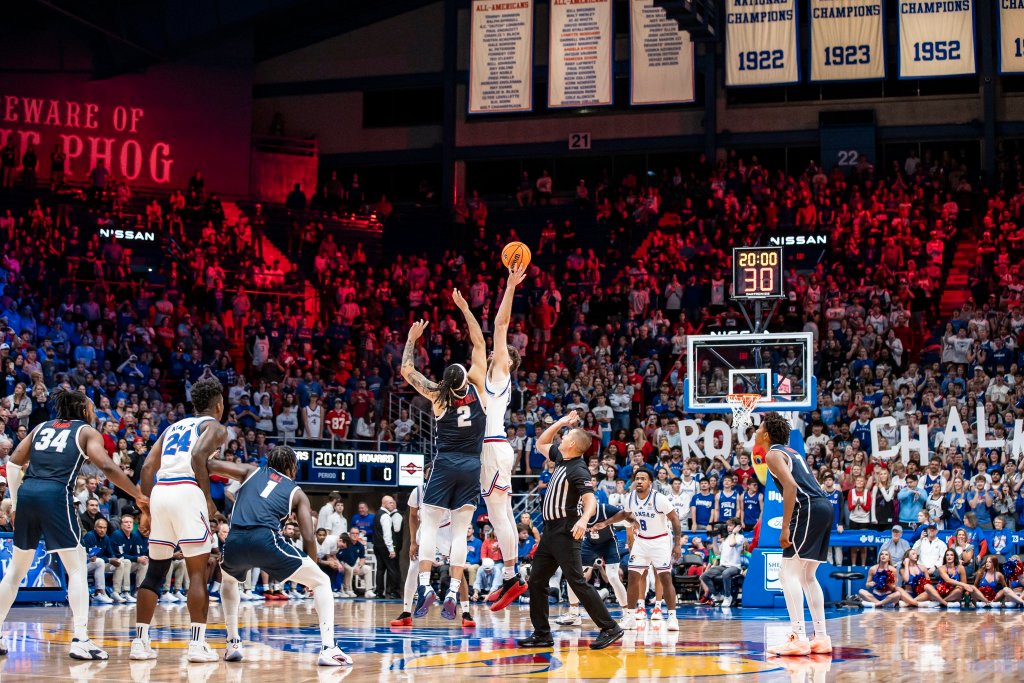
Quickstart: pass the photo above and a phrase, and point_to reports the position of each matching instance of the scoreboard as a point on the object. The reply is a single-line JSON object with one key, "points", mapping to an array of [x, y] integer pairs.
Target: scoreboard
{"points": [[757, 273], [353, 467]]}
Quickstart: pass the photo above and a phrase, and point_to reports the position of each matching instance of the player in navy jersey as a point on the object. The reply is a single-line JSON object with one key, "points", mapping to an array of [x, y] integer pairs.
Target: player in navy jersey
{"points": [[267, 497], [40, 476], [753, 501], [600, 550], [454, 485], [727, 501], [806, 528]]}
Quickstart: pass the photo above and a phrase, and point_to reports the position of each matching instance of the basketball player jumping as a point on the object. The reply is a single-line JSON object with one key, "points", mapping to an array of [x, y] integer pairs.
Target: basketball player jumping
{"points": [[454, 483], [41, 475], [806, 527], [444, 549], [181, 512], [267, 496], [653, 547], [497, 458]]}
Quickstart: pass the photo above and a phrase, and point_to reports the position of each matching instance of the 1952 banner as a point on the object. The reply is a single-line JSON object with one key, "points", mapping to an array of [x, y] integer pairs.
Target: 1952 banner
{"points": [[760, 42], [846, 40], [1011, 36], [936, 38], [580, 60], [661, 57], [501, 56]]}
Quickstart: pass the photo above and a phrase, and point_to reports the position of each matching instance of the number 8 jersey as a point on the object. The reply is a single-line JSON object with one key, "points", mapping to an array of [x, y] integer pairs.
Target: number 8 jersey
{"points": [[179, 440]]}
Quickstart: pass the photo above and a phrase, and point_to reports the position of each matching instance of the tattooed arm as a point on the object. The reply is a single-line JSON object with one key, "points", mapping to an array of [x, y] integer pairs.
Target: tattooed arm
{"points": [[424, 386]]}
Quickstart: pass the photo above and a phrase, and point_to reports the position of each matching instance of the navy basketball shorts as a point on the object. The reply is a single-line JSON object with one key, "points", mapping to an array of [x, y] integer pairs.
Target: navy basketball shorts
{"points": [[46, 511], [810, 531], [265, 548], [454, 481], [607, 551]]}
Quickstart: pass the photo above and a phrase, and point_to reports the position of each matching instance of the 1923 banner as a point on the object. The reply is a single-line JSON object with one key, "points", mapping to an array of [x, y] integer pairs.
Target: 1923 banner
{"points": [[847, 41]]}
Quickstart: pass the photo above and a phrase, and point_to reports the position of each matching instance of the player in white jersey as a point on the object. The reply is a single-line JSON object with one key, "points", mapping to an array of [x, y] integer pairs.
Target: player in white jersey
{"points": [[497, 460], [443, 549], [652, 546], [177, 465], [683, 490]]}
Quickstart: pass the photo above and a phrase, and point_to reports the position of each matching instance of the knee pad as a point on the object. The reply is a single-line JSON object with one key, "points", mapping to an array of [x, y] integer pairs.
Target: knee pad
{"points": [[155, 576]]}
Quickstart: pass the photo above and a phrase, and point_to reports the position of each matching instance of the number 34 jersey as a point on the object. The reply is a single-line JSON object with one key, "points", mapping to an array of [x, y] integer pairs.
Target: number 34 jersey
{"points": [[176, 456], [461, 428]]}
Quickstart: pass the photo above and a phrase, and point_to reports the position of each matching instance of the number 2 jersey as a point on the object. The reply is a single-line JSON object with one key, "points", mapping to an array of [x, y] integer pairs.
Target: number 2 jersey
{"points": [[176, 456], [56, 454], [460, 429]]}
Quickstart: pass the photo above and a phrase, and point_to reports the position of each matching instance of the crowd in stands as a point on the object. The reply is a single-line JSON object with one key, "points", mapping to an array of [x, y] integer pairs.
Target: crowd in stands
{"points": [[602, 329]]}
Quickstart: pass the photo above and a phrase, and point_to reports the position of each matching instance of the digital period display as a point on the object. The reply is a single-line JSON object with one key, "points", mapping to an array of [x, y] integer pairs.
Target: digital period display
{"points": [[757, 273]]}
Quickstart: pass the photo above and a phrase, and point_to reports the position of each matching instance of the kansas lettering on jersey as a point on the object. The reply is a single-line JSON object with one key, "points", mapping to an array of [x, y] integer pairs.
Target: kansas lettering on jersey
{"points": [[807, 486], [179, 440], [264, 500], [704, 503], [461, 428], [55, 454], [606, 535], [498, 398], [727, 505], [651, 513]]}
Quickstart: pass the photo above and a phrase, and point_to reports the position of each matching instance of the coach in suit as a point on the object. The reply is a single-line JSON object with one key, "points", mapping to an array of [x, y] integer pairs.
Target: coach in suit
{"points": [[564, 527]]}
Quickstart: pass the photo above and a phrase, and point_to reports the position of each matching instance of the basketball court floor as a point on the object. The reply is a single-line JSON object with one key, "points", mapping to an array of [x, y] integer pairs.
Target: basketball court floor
{"points": [[711, 645]]}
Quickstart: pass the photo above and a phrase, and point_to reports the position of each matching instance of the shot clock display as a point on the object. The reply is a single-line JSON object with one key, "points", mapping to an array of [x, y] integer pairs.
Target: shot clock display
{"points": [[757, 273]]}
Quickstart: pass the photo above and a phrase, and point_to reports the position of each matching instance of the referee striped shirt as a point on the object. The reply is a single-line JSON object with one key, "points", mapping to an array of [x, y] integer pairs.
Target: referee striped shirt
{"points": [[569, 482]]}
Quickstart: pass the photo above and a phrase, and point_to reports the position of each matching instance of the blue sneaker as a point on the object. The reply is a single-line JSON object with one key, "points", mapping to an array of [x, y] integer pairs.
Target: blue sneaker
{"points": [[425, 597], [450, 608]]}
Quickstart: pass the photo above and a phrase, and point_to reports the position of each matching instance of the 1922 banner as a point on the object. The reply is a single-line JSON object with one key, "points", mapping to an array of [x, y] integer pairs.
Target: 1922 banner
{"points": [[846, 40], [661, 57], [760, 42], [580, 61], [936, 38], [501, 56], [1011, 36]]}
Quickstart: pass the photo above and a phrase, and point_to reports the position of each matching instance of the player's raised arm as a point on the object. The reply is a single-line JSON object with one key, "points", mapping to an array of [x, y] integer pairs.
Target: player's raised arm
{"points": [[300, 504], [415, 378], [478, 369], [545, 439], [515, 276]]}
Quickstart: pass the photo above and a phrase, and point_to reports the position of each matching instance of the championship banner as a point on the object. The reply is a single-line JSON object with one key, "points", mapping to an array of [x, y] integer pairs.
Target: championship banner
{"points": [[760, 43], [580, 59], [501, 56], [847, 42], [936, 38], [1011, 36], [661, 57]]}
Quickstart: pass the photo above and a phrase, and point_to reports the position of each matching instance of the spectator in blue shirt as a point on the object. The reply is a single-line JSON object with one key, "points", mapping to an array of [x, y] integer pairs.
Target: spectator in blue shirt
{"points": [[526, 544], [364, 521], [245, 413], [132, 549], [101, 556], [979, 501], [911, 502], [352, 555]]}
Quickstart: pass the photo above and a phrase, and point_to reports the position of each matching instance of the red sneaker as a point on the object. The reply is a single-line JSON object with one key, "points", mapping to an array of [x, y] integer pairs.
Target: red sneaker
{"points": [[510, 594], [467, 620], [404, 619]]}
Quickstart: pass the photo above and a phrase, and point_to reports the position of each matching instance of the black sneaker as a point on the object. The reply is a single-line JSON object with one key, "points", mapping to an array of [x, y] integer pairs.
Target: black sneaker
{"points": [[606, 638], [535, 640]]}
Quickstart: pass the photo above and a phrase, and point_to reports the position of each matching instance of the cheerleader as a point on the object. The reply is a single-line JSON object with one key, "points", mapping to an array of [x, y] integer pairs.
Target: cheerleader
{"points": [[917, 582], [991, 585], [953, 585], [1013, 571], [882, 584]]}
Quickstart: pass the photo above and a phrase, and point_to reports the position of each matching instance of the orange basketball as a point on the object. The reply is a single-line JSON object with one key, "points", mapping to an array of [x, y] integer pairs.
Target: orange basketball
{"points": [[514, 254]]}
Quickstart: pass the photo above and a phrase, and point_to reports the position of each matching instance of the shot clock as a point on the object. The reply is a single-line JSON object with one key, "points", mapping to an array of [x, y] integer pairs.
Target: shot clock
{"points": [[757, 273]]}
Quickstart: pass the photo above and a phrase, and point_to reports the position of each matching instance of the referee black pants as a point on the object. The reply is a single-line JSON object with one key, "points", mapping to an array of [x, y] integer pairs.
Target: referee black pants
{"points": [[558, 548]]}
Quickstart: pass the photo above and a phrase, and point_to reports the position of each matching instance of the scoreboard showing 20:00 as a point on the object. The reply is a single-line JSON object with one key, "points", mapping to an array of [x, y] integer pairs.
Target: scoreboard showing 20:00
{"points": [[757, 273]]}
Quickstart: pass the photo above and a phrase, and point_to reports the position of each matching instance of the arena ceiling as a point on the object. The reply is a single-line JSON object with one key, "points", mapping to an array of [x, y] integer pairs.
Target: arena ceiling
{"points": [[129, 35]]}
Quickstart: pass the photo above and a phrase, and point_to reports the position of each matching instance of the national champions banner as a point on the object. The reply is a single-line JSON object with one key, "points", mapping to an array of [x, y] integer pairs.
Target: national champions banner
{"points": [[761, 42], [847, 42], [661, 57], [580, 53], [936, 38], [1011, 36], [501, 56]]}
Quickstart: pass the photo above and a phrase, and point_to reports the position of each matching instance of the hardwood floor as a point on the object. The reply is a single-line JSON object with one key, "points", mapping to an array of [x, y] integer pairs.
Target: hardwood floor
{"points": [[712, 644]]}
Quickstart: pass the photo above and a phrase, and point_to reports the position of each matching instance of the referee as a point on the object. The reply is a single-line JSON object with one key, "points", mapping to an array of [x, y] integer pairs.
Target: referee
{"points": [[568, 491]]}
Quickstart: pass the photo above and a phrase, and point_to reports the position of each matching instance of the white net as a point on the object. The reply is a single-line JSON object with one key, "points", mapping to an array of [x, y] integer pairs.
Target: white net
{"points": [[743, 406]]}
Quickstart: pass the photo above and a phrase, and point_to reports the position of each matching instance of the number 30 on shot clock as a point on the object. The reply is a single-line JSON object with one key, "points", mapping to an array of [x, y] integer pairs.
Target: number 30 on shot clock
{"points": [[757, 273]]}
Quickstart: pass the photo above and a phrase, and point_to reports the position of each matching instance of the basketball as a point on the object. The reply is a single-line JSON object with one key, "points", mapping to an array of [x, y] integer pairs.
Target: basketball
{"points": [[514, 254]]}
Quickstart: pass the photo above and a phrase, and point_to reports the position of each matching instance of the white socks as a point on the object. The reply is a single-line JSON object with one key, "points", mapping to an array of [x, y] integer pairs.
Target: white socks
{"points": [[453, 586], [424, 578], [142, 632], [815, 596]]}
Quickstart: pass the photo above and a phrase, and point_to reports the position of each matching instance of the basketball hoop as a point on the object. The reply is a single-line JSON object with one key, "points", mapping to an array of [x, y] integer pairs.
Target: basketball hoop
{"points": [[742, 406]]}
